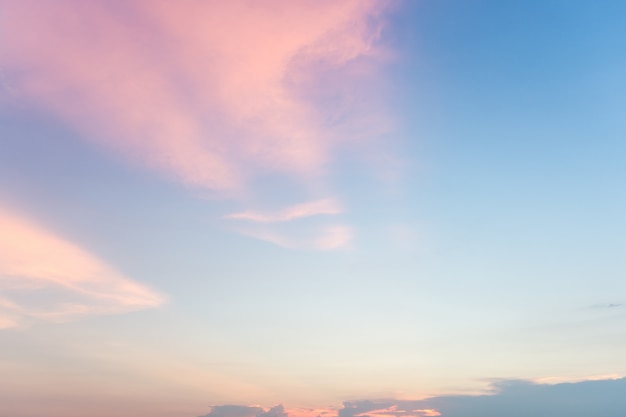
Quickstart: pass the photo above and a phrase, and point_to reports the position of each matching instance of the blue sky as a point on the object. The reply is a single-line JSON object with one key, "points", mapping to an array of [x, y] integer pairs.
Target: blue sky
{"points": [[308, 204]]}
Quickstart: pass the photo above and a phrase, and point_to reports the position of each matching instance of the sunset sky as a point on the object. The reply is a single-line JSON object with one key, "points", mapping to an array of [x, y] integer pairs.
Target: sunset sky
{"points": [[335, 208]]}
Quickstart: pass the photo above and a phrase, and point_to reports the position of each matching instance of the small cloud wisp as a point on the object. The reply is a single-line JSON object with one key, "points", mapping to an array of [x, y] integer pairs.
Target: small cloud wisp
{"points": [[298, 211]]}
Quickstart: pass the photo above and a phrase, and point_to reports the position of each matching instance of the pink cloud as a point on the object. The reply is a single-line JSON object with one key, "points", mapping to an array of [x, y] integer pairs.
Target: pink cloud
{"points": [[401, 408], [72, 282], [311, 412], [298, 211], [428, 412], [207, 93], [327, 238]]}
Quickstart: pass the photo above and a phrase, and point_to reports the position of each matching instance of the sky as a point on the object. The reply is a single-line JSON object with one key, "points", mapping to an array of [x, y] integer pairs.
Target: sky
{"points": [[355, 208]]}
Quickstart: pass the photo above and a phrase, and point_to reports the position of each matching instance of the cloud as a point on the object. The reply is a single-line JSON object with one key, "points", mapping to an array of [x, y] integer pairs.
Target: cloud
{"points": [[383, 409], [207, 93], [298, 211], [329, 237], [277, 411], [245, 411], [257, 411], [45, 277], [511, 398], [326, 238], [234, 411]]}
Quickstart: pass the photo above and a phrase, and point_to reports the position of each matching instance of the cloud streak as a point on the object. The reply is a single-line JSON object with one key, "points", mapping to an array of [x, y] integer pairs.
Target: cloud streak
{"points": [[299, 211], [207, 93], [45, 277], [325, 238]]}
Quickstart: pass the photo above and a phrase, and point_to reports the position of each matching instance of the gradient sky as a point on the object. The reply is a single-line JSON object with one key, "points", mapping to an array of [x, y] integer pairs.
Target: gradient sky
{"points": [[337, 208]]}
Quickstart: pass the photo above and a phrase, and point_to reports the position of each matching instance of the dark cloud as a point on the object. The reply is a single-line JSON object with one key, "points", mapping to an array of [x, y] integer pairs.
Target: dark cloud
{"points": [[234, 411], [278, 411], [605, 398], [245, 411], [511, 398]]}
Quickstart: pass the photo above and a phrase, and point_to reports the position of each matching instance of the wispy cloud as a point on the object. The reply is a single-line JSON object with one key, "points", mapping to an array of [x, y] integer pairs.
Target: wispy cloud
{"points": [[208, 93], [325, 238], [211, 94], [298, 211], [385, 408], [394, 411], [551, 380], [45, 277]]}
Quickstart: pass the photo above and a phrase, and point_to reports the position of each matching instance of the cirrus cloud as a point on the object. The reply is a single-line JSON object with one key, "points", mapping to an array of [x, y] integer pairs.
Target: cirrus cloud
{"points": [[208, 94], [43, 276], [298, 211]]}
